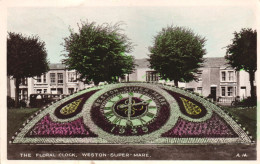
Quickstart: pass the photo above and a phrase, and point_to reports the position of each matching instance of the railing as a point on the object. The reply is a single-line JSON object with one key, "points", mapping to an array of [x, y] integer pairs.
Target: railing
{"points": [[226, 99]]}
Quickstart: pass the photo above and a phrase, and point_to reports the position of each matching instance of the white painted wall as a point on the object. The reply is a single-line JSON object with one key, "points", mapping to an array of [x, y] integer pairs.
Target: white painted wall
{"points": [[244, 82], [141, 74]]}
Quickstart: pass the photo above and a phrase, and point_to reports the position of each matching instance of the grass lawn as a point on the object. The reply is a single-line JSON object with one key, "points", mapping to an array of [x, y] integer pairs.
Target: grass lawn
{"points": [[246, 117], [16, 117]]}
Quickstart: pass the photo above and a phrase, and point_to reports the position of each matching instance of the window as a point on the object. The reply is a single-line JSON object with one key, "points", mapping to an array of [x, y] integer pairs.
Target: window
{"points": [[53, 91], [190, 89], [60, 90], [45, 91], [223, 91], [230, 75], [39, 90], [199, 88], [60, 78], [53, 78], [223, 75], [38, 79], [71, 90], [23, 81], [72, 76], [44, 78], [230, 91], [25, 94], [152, 76], [199, 76], [20, 94]]}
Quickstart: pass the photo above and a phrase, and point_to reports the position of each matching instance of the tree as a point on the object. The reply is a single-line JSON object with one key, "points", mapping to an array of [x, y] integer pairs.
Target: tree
{"points": [[26, 57], [176, 54], [98, 52], [241, 54]]}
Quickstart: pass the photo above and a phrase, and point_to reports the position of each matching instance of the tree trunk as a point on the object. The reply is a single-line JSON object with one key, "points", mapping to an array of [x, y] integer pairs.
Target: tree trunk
{"points": [[17, 83], [251, 79], [176, 83]]}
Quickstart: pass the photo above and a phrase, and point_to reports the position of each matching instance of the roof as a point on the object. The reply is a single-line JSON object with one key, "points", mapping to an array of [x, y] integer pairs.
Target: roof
{"points": [[215, 62], [57, 66], [142, 63], [208, 62]]}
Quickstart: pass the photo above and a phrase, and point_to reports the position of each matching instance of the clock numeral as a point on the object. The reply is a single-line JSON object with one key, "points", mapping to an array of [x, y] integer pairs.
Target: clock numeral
{"points": [[149, 114], [145, 129], [109, 114], [113, 129], [121, 130], [134, 131]]}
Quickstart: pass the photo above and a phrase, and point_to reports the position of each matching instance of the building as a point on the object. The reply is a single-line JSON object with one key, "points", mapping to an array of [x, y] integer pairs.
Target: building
{"points": [[217, 80], [58, 80]]}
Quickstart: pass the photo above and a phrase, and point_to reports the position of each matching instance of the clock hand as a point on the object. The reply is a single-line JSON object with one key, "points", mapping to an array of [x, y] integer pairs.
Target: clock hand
{"points": [[136, 104], [129, 110], [141, 103], [129, 107]]}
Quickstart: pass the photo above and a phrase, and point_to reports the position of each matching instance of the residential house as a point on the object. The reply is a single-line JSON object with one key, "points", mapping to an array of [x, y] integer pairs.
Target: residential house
{"points": [[58, 80], [216, 80]]}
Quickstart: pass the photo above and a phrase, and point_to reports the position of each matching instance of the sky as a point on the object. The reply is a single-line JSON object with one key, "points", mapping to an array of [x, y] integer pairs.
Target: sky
{"points": [[216, 23]]}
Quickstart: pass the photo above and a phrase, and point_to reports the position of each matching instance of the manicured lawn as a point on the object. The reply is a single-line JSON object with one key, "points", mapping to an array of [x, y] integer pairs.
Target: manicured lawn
{"points": [[246, 117], [16, 117]]}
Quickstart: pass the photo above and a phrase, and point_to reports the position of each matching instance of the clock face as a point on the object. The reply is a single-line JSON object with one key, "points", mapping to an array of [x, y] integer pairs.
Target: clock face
{"points": [[130, 111]]}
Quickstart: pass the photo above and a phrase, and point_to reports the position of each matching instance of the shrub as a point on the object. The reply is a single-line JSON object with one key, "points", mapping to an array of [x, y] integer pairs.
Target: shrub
{"points": [[10, 102]]}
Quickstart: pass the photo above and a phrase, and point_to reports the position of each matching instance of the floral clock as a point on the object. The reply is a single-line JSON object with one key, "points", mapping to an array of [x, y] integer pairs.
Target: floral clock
{"points": [[131, 113]]}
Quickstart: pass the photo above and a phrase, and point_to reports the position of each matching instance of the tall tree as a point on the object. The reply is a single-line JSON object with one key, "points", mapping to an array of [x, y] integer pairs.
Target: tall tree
{"points": [[177, 53], [98, 52], [26, 57], [241, 54]]}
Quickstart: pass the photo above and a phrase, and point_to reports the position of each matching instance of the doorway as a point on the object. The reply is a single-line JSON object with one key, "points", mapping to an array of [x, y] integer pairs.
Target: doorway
{"points": [[213, 93]]}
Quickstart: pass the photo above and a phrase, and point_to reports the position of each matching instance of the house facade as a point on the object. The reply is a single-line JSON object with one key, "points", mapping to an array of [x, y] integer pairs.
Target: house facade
{"points": [[58, 80], [217, 80]]}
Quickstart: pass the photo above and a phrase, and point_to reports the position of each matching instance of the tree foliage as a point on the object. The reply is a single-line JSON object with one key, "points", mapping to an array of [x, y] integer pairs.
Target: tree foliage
{"points": [[177, 53], [98, 52], [26, 57], [241, 53]]}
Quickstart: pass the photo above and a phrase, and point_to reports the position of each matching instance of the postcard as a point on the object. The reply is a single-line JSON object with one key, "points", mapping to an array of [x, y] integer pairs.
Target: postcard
{"points": [[136, 81]]}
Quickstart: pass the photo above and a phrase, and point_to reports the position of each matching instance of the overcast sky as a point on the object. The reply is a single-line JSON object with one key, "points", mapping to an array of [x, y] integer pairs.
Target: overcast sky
{"points": [[142, 23]]}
